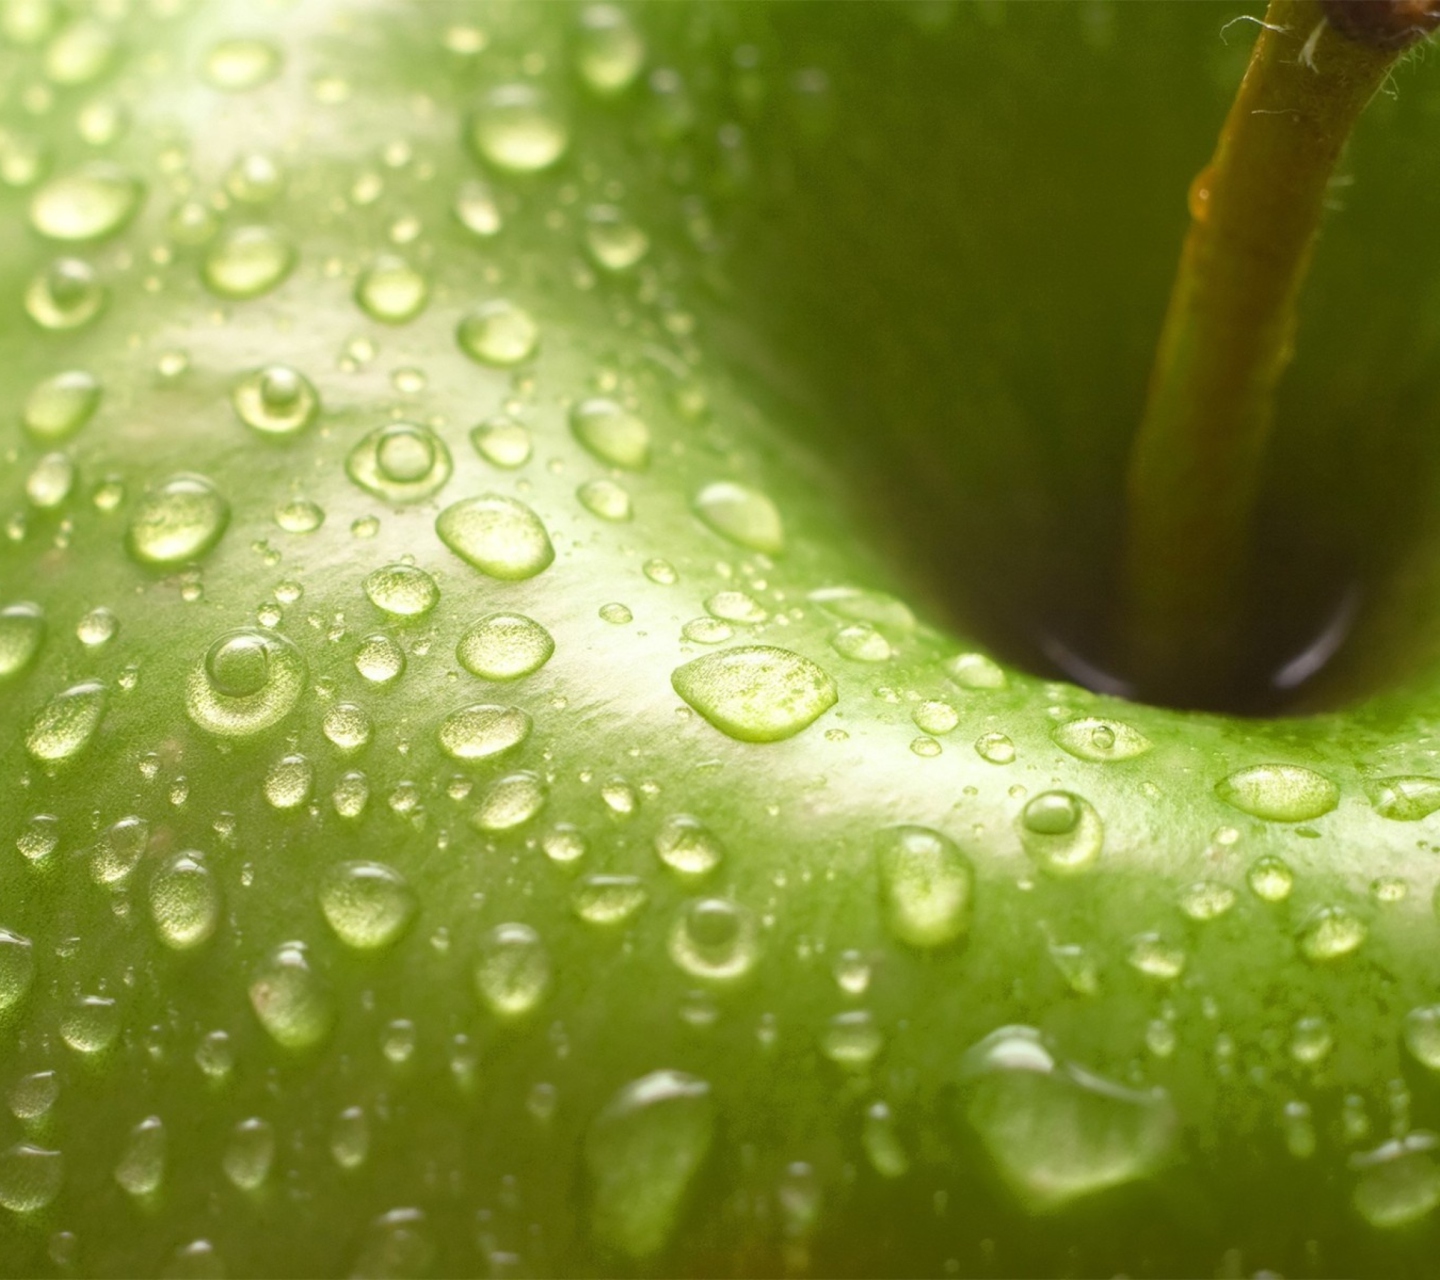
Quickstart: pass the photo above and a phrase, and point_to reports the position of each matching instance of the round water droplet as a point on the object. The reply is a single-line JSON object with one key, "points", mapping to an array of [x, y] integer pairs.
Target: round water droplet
{"points": [[50, 481], [935, 717], [1062, 832], [607, 900], [1399, 1182], [927, 886], [687, 846], [379, 659], [715, 940], [66, 295], [246, 262], [17, 968], [477, 210], [852, 1040], [481, 731], [756, 693], [119, 850], [67, 724], [512, 974], [742, 515], [276, 401], [403, 462], [250, 1153], [240, 64], [609, 51], [178, 521], [1279, 792], [643, 1151], [564, 844], [502, 442], [367, 904], [1270, 878], [1332, 933], [612, 433], [504, 646], [975, 671], [605, 499], [248, 681], [184, 902], [96, 628], [90, 1024], [615, 613], [90, 203], [299, 516], [614, 242], [22, 632], [498, 333], [402, 590], [392, 291], [1100, 741], [141, 1167], [30, 1177], [1406, 799], [60, 405], [510, 802], [292, 1001], [1206, 899], [347, 726], [860, 642], [518, 129], [288, 783], [499, 536]]}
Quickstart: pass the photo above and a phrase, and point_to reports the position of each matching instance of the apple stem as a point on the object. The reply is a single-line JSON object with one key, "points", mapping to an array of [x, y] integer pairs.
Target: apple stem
{"points": [[1228, 333]]}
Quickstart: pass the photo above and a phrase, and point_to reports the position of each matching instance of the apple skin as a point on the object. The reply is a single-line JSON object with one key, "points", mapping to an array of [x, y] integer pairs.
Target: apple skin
{"points": [[504, 1137]]}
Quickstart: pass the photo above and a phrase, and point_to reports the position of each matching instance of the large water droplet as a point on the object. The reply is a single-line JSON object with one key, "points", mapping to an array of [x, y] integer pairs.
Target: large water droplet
{"points": [[50, 481], [687, 846], [402, 590], [756, 693], [1270, 878], [30, 1177], [184, 902], [927, 886], [94, 201], [612, 433], [608, 900], [1332, 933], [512, 974], [66, 295], [276, 401], [239, 64], [743, 515], [499, 536], [643, 1150], [1056, 1132], [714, 939], [60, 405], [367, 904], [1062, 832], [247, 681], [481, 731], [119, 850], [1279, 792], [975, 671], [141, 1167], [1399, 1182], [498, 333], [1100, 741], [1406, 799], [510, 802], [17, 968], [404, 462], [292, 1001], [609, 51], [246, 262], [179, 520], [22, 632], [66, 725], [90, 1024], [518, 129], [391, 290], [504, 646]]}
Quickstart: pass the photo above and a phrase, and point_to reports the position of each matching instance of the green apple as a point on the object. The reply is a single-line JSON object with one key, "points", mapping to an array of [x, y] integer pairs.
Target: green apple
{"points": [[513, 517]]}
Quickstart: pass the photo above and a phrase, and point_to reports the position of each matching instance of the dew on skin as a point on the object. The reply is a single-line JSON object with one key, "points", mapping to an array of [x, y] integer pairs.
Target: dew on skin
{"points": [[510, 802], [606, 500], [1331, 934], [995, 748], [403, 462], [392, 291], [1100, 741], [66, 295], [184, 902], [608, 900], [518, 129], [247, 262], [291, 1001], [1270, 878], [611, 433], [240, 64], [248, 681], [177, 521], [715, 940], [498, 333], [741, 515], [1061, 832], [927, 886], [500, 536], [249, 1154], [141, 1167], [288, 782], [30, 1177], [22, 633], [59, 406], [687, 846], [276, 401], [1279, 792], [756, 693], [513, 973], [609, 51], [67, 724], [504, 646]]}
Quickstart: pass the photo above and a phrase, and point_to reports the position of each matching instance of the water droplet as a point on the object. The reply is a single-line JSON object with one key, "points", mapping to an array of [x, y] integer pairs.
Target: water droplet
{"points": [[481, 731], [975, 671], [1206, 899], [248, 681], [743, 515], [1422, 1035], [292, 1001], [502, 442], [1399, 1182], [995, 748], [715, 940], [66, 295], [852, 1040], [1270, 878], [687, 846], [367, 904], [1153, 956], [1279, 792], [351, 795], [184, 902], [178, 521], [707, 631], [617, 614], [518, 129], [97, 627], [852, 973], [1332, 932], [504, 646], [1062, 832], [22, 632], [50, 481], [935, 717], [661, 572], [512, 974], [250, 1153], [17, 968], [402, 590], [860, 642], [613, 241], [119, 850], [564, 844], [299, 515], [141, 1168], [276, 401], [60, 405], [237, 65], [609, 51], [403, 462], [612, 433], [30, 1177], [510, 802], [34, 1095], [498, 333], [1056, 1132], [397, 1243], [643, 1150], [1311, 1041], [39, 837], [477, 210], [90, 1024], [927, 886], [1100, 741], [392, 291], [350, 1138], [606, 500], [882, 1143], [607, 900], [756, 693], [379, 659], [289, 782], [736, 606], [1406, 799], [246, 262], [90, 203], [215, 1056], [499, 536], [67, 724]]}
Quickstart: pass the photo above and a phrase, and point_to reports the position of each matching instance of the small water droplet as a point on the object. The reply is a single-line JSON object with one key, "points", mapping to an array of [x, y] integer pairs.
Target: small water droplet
{"points": [[141, 1168], [299, 515], [1206, 899], [97, 627], [249, 1154], [975, 671], [1153, 956], [1270, 878], [612, 433], [119, 850], [860, 642], [247, 262], [852, 1040], [402, 590], [512, 974], [92, 202], [391, 290], [368, 904], [500, 536], [935, 717], [714, 939], [661, 572], [564, 844], [498, 333], [606, 500], [607, 900], [1279, 792], [1100, 741], [50, 481], [609, 51], [736, 606], [1332, 933], [292, 1001], [350, 1138], [1062, 832], [276, 401], [66, 295], [756, 693], [351, 795], [504, 646], [288, 783], [687, 846], [995, 747], [177, 521], [616, 614], [90, 1024], [22, 632], [1406, 799], [403, 462], [379, 659], [30, 1177], [743, 515], [510, 802], [67, 724], [248, 681], [502, 442], [477, 210], [239, 64], [34, 1095], [1311, 1041], [1422, 1035], [882, 1144], [184, 902], [59, 406], [518, 129], [17, 968], [612, 240], [927, 886]]}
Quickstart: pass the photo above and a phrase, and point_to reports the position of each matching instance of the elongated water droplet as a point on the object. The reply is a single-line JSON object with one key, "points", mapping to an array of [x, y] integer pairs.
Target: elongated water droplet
{"points": [[30, 1177], [119, 850], [510, 802], [392, 291], [714, 939], [276, 401], [1100, 741], [607, 900], [1153, 956], [350, 1138], [504, 646], [141, 1168], [687, 846], [643, 1150], [756, 693], [248, 681], [34, 1095], [250, 1153], [402, 590], [498, 333], [606, 499], [1332, 933], [60, 405], [1399, 1182], [17, 968], [67, 724], [293, 1003], [367, 904], [927, 886], [477, 210], [975, 671], [852, 1040], [178, 521], [66, 295], [240, 64], [609, 51], [1279, 792], [499, 536], [404, 462], [50, 481], [743, 515], [481, 731], [1206, 899], [1062, 832], [22, 632], [512, 974], [288, 783], [882, 1143], [1406, 799], [184, 902], [612, 433], [246, 262], [1422, 1035], [90, 203], [518, 129]]}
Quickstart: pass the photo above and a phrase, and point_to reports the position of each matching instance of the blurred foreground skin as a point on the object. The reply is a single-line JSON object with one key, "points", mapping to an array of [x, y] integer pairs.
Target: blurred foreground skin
{"points": [[494, 780]]}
